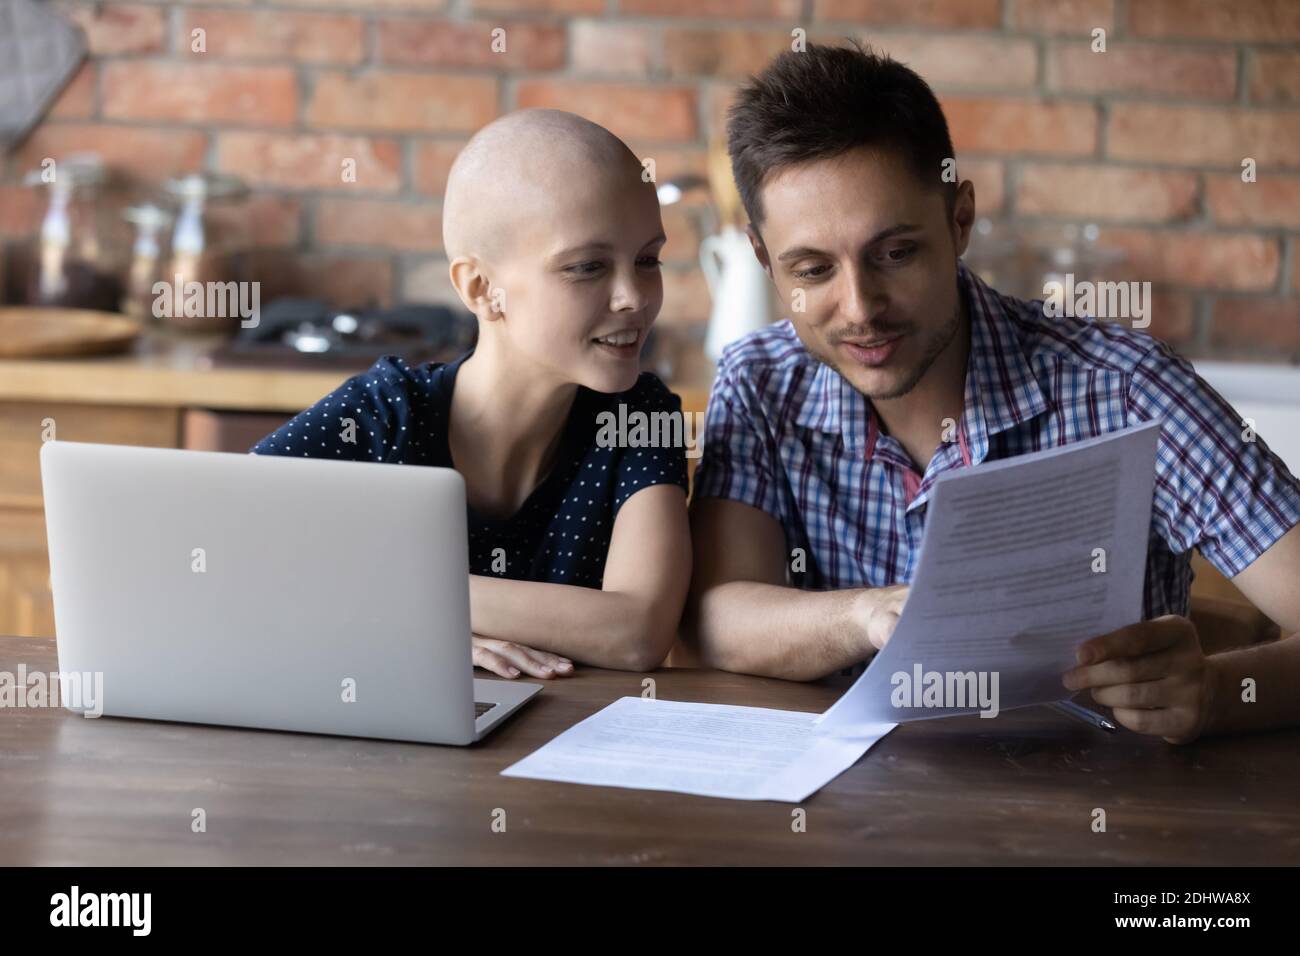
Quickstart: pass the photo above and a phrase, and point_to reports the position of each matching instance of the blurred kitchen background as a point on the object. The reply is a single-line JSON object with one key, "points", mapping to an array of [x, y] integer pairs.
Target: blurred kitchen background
{"points": [[304, 145]]}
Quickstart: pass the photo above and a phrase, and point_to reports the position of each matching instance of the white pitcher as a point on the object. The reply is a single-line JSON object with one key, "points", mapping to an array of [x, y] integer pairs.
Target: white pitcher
{"points": [[742, 301]]}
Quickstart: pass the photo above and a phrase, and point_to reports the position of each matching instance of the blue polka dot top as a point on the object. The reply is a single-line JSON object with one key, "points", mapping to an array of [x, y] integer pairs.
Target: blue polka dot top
{"points": [[561, 533]]}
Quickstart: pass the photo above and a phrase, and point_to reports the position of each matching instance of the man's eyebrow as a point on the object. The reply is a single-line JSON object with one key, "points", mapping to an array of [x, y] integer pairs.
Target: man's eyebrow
{"points": [[798, 252]]}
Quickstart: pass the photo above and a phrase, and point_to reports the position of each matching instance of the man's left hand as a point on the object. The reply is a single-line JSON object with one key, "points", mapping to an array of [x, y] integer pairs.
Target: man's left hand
{"points": [[1152, 674]]}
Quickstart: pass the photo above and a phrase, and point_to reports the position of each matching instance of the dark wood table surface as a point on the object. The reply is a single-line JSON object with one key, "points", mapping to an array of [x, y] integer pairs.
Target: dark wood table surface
{"points": [[1018, 789]]}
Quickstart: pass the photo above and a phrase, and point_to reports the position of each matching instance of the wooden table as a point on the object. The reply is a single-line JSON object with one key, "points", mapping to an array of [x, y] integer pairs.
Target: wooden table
{"points": [[1019, 789]]}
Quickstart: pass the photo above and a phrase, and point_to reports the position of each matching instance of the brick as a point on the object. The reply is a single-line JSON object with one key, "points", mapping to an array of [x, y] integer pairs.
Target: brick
{"points": [[728, 9], [539, 6], [403, 226], [139, 153], [672, 161], [207, 93], [643, 112], [420, 6], [1235, 261], [407, 101], [720, 98], [1275, 77], [952, 14], [988, 176], [964, 61], [304, 161], [1271, 21], [725, 52], [1195, 135], [77, 100], [599, 47], [278, 35], [528, 46], [1255, 325], [1063, 16], [1106, 193], [272, 220], [1143, 68], [432, 164], [1172, 315], [120, 27], [344, 281], [1272, 200], [20, 211], [1021, 126]]}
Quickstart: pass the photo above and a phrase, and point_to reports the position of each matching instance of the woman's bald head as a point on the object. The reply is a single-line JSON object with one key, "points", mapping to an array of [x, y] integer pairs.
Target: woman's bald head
{"points": [[518, 169]]}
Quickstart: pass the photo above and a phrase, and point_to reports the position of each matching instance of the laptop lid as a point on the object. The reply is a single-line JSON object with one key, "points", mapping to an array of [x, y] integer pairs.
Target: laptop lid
{"points": [[263, 591]]}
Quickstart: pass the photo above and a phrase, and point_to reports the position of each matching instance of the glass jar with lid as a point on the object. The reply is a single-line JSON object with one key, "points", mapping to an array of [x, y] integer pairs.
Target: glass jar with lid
{"points": [[208, 277], [149, 256], [75, 260]]}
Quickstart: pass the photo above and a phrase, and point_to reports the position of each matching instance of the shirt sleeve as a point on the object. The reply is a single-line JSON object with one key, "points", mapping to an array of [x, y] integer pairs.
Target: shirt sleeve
{"points": [[642, 467], [1218, 486], [739, 460], [364, 419]]}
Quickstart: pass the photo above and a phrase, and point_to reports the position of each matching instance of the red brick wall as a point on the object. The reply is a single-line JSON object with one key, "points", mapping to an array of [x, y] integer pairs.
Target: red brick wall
{"points": [[1146, 138]]}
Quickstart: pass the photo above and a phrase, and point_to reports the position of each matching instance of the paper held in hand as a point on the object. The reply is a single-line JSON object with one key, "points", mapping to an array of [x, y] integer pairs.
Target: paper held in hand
{"points": [[1021, 561]]}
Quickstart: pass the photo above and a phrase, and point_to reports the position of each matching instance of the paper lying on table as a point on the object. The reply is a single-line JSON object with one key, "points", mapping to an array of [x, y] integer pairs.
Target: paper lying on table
{"points": [[1010, 580], [712, 750]]}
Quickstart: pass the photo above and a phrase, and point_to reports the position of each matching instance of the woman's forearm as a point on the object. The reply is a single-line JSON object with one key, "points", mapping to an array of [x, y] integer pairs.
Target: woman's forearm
{"points": [[590, 626]]}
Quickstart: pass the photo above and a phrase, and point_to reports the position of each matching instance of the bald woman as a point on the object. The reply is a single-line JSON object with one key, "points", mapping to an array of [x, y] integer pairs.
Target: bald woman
{"points": [[579, 547]]}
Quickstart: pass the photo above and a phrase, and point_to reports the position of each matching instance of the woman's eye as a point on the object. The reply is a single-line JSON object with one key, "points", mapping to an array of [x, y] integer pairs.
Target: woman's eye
{"points": [[584, 268], [649, 262], [812, 273]]}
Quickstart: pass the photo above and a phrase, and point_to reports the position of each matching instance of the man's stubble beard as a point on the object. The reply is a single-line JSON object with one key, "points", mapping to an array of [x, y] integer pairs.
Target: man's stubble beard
{"points": [[939, 341]]}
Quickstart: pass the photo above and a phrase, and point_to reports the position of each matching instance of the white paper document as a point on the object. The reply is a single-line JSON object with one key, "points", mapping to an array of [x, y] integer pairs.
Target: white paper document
{"points": [[1021, 561], [711, 750]]}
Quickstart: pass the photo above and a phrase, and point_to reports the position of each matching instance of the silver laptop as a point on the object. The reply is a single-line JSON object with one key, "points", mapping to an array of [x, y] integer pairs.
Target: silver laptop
{"points": [[310, 595]]}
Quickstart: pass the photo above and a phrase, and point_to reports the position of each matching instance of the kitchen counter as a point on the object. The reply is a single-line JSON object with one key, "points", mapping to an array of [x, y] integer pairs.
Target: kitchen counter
{"points": [[164, 369]]}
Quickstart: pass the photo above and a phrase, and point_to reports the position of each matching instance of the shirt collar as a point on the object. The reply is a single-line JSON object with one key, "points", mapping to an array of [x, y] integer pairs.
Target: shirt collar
{"points": [[1001, 390]]}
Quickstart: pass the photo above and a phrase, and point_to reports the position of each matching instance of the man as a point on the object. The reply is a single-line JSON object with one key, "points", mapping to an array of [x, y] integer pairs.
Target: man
{"points": [[826, 432]]}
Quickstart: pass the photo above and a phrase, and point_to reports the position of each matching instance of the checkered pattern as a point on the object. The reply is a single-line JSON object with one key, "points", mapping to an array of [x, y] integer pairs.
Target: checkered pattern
{"points": [[790, 436]]}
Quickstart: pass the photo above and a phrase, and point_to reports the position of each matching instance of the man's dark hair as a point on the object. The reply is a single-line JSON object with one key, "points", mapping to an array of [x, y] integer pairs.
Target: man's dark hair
{"points": [[829, 100]]}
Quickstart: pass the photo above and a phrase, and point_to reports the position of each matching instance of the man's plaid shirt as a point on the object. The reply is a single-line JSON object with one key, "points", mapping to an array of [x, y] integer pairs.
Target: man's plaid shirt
{"points": [[789, 435]]}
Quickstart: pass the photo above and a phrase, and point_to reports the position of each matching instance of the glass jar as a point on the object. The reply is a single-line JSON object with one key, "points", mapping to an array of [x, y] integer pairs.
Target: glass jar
{"points": [[148, 259], [208, 273], [75, 262]]}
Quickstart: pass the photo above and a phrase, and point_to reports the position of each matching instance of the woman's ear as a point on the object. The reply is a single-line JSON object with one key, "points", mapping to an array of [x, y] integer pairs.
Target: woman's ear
{"points": [[475, 288]]}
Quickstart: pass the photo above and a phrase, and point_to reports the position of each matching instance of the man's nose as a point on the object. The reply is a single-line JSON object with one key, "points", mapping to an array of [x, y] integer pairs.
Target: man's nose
{"points": [[863, 297]]}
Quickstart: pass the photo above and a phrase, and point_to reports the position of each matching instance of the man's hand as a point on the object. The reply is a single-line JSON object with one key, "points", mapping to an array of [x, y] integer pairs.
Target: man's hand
{"points": [[508, 659], [879, 610], [1152, 674]]}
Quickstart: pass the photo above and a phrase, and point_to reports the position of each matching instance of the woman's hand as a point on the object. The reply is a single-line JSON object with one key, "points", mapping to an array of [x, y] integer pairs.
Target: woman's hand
{"points": [[509, 659]]}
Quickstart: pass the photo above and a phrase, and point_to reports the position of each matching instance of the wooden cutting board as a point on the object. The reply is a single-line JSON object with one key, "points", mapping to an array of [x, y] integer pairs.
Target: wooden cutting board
{"points": [[27, 332]]}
